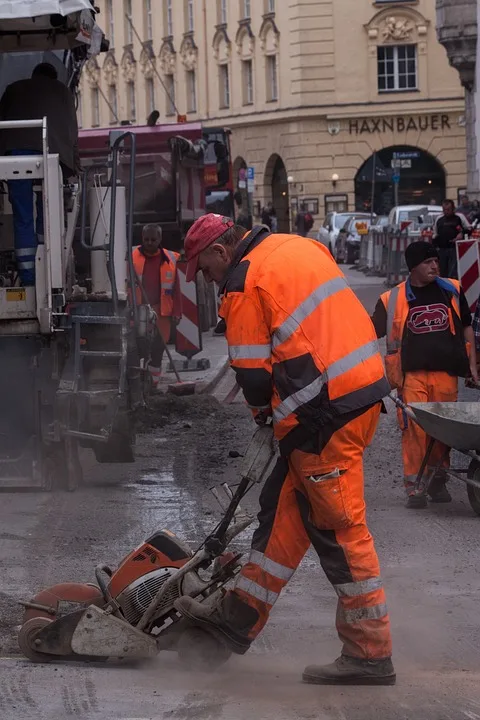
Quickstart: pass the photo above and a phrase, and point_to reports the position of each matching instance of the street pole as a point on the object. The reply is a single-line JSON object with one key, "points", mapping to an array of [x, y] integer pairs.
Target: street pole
{"points": [[372, 210], [396, 188]]}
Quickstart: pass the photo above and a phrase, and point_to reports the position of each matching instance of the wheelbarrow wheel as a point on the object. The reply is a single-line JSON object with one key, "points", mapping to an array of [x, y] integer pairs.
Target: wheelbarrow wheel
{"points": [[474, 498], [199, 650]]}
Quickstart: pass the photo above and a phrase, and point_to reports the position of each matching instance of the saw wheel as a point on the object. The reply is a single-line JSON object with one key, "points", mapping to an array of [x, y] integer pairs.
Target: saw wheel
{"points": [[26, 639]]}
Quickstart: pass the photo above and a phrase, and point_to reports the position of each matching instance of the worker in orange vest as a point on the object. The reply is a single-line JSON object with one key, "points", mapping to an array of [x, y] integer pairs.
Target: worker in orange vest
{"points": [[430, 344], [156, 269], [322, 382]]}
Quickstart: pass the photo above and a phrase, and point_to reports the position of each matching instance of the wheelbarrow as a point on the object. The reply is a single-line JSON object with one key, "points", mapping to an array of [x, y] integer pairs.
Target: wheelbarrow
{"points": [[457, 426]]}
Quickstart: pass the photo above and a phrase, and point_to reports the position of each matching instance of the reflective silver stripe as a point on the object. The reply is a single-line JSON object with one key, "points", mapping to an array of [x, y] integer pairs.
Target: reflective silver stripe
{"points": [[249, 352], [26, 265], [171, 256], [256, 591], [367, 613], [355, 589], [392, 344], [270, 566], [290, 404], [340, 367], [26, 252], [306, 308]]}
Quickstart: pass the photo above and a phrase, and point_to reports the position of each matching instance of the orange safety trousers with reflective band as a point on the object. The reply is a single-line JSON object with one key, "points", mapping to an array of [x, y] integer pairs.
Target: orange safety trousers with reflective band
{"points": [[423, 387], [397, 307], [319, 500], [299, 339], [167, 277]]}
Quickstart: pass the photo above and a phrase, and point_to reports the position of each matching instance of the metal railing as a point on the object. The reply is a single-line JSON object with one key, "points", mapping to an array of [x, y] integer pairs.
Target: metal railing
{"points": [[382, 254]]}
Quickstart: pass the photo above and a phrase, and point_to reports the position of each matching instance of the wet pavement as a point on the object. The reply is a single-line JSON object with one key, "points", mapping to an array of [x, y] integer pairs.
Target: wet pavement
{"points": [[429, 563]]}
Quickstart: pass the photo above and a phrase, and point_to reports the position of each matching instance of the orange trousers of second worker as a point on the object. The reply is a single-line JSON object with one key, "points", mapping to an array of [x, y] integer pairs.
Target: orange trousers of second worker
{"points": [[422, 387], [318, 499]]}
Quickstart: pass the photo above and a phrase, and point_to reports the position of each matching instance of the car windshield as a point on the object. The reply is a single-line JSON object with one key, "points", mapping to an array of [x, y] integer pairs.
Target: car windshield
{"points": [[340, 220]]}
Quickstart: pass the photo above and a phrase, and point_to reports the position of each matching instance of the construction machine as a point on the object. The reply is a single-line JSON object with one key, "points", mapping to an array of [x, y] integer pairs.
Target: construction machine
{"points": [[71, 351]]}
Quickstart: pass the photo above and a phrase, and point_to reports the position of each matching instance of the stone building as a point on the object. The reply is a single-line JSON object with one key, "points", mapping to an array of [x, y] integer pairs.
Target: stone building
{"points": [[320, 96], [457, 27]]}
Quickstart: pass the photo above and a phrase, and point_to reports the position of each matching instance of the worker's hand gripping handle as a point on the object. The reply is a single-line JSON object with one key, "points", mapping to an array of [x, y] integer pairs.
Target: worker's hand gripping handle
{"points": [[259, 454]]}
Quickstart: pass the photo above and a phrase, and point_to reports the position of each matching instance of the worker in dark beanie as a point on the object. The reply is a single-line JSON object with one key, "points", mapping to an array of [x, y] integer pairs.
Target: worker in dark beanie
{"points": [[430, 344]]}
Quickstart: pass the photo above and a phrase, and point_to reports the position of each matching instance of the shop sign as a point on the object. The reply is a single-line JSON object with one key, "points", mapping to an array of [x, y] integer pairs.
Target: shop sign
{"points": [[420, 123]]}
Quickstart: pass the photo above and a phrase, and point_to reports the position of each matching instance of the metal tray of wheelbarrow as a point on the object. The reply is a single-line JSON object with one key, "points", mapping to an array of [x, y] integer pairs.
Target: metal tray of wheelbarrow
{"points": [[457, 425]]}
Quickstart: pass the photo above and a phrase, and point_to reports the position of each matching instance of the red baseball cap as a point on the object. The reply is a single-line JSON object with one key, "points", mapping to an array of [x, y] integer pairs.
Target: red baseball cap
{"points": [[203, 233]]}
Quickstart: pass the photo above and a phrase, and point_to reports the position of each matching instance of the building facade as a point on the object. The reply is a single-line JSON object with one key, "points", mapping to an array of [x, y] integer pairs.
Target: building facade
{"points": [[321, 97], [457, 27]]}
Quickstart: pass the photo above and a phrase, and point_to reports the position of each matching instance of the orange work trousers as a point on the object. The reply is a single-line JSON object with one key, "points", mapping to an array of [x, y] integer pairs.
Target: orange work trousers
{"points": [[423, 386], [319, 500]]}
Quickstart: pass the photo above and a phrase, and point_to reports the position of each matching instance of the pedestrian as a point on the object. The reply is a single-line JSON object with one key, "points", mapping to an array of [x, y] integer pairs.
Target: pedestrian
{"points": [[267, 213], [242, 215], [322, 383], [465, 207], [430, 344], [449, 228], [303, 221], [42, 95], [156, 269], [273, 221]]}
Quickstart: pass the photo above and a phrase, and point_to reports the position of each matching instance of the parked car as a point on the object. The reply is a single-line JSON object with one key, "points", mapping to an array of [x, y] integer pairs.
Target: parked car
{"points": [[334, 222], [380, 223], [348, 242], [406, 214]]}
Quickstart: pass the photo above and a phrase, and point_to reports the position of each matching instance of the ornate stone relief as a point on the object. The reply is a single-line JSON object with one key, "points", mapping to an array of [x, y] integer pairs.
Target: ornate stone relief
{"points": [[189, 52], [168, 58], [269, 36], [129, 66], [110, 69], [222, 47], [245, 41], [92, 72], [396, 28], [148, 61]]}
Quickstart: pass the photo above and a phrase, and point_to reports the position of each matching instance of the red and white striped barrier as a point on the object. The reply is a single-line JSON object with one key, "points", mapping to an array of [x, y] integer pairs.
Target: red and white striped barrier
{"points": [[468, 258], [188, 335]]}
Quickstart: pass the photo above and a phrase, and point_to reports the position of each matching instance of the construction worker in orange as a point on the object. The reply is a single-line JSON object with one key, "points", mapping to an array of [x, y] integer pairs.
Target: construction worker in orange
{"points": [[321, 380], [430, 344], [156, 269]]}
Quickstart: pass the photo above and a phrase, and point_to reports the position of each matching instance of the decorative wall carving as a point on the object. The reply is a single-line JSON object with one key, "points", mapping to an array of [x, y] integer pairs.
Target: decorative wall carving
{"points": [[92, 72], [245, 41], [407, 25], [189, 52], [397, 29], [148, 61], [129, 66], [269, 36], [168, 57], [110, 69], [222, 46]]}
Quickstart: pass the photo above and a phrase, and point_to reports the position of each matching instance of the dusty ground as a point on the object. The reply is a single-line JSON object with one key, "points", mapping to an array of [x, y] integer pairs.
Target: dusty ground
{"points": [[429, 563]]}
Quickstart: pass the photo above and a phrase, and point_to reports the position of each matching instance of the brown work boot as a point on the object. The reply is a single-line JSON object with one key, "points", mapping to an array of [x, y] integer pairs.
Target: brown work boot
{"points": [[229, 618], [437, 489], [351, 671]]}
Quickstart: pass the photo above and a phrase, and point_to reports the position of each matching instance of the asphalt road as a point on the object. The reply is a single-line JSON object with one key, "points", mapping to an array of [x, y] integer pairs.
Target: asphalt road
{"points": [[429, 563]]}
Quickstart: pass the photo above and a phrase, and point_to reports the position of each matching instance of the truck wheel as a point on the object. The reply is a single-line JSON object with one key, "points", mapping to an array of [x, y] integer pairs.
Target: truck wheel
{"points": [[350, 256], [73, 475]]}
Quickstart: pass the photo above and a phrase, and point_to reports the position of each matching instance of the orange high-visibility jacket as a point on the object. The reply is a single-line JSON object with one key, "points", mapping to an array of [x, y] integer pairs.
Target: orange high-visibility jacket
{"points": [[299, 339], [168, 274], [396, 305]]}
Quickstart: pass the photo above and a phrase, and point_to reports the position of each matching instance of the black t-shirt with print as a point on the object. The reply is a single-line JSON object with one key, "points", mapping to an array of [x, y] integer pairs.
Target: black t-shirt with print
{"points": [[428, 343]]}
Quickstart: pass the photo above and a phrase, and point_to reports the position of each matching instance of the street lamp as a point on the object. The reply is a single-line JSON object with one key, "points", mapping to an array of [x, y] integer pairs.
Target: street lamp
{"points": [[335, 179]]}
